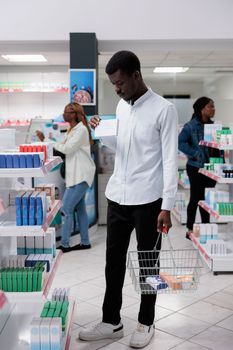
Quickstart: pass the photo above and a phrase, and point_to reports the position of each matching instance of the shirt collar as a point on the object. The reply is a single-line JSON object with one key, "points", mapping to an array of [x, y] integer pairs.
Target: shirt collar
{"points": [[142, 98]]}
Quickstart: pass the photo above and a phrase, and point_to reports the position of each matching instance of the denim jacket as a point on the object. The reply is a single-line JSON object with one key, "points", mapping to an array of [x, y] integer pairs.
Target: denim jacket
{"points": [[189, 138]]}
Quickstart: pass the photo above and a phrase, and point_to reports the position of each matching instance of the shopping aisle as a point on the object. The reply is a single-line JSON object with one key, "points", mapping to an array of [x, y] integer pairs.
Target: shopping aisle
{"points": [[191, 321]]}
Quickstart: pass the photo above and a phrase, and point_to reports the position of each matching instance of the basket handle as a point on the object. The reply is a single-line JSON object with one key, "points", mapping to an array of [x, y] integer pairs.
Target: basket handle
{"points": [[163, 234]]}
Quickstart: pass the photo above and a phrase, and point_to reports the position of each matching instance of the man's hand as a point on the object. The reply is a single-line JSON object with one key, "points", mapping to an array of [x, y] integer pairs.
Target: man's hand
{"points": [[164, 221], [94, 121]]}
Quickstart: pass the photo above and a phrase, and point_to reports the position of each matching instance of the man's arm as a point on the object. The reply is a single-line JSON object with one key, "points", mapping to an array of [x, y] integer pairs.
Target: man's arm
{"points": [[169, 143]]}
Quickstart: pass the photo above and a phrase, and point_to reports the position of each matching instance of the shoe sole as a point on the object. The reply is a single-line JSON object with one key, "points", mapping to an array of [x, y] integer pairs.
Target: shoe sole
{"points": [[137, 346], [115, 335]]}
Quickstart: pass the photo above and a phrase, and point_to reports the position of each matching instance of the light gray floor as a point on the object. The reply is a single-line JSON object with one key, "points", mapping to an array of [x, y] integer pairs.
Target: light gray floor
{"points": [[190, 321]]}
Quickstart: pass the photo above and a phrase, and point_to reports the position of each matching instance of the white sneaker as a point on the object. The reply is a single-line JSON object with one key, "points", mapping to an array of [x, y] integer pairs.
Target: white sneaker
{"points": [[102, 331], [142, 336]]}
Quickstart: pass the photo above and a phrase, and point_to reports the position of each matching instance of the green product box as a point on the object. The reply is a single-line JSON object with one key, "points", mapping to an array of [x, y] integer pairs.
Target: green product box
{"points": [[20, 280], [50, 313], [63, 316], [9, 280], [53, 305], [14, 280], [39, 279], [0, 279], [34, 280], [65, 305], [44, 312], [4, 280], [24, 280], [29, 284], [47, 305], [58, 309]]}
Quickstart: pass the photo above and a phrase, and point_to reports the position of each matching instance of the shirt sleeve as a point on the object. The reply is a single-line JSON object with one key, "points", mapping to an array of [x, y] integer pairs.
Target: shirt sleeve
{"points": [[169, 141], [73, 141]]}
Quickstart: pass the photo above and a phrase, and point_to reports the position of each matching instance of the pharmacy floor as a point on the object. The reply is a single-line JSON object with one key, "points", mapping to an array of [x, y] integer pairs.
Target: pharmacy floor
{"points": [[190, 321]]}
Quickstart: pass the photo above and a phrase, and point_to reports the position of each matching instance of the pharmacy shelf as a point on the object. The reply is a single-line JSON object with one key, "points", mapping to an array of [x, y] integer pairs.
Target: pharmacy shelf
{"points": [[215, 145], [181, 183], [8, 227], [16, 332], [31, 172], [215, 214], [215, 177], [216, 263], [47, 282]]}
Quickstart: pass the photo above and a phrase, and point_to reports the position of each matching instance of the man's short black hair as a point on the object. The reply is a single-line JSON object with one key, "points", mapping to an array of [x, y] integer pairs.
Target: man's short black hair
{"points": [[126, 61]]}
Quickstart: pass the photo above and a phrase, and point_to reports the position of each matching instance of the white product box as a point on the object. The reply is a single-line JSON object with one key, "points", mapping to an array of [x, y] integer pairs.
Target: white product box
{"points": [[35, 333], [45, 334], [107, 128], [55, 334], [30, 245]]}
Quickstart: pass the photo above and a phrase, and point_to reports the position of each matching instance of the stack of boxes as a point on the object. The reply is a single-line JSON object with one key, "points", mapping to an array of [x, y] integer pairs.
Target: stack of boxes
{"points": [[47, 330]]}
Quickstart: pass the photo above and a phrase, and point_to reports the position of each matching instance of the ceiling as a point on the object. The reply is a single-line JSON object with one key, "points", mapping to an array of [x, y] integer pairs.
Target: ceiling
{"points": [[206, 58]]}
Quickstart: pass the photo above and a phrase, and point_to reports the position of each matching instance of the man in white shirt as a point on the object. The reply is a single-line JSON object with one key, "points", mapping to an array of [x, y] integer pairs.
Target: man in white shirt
{"points": [[140, 193]]}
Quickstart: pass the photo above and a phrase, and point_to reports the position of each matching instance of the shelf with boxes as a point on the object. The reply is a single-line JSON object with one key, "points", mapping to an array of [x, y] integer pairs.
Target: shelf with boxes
{"points": [[218, 253], [25, 326], [31, 172], [8, 224]]}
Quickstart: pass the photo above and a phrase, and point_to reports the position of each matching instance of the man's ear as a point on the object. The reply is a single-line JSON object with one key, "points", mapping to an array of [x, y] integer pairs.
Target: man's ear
{"points": [[137, 74]]}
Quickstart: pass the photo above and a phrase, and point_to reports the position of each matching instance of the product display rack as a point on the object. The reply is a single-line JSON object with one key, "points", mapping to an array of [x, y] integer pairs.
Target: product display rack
{"points": [[8, 228], [31, 172], [218, 263], [15, 334]]}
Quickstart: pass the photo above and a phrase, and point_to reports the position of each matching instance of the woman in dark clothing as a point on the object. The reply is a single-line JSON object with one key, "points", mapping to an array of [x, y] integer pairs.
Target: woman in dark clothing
{"points": [[189, 138]]}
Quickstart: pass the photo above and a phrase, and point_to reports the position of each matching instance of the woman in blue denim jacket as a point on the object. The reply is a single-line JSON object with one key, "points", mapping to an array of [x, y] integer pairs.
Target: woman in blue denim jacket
{"points": [[189, 138]]}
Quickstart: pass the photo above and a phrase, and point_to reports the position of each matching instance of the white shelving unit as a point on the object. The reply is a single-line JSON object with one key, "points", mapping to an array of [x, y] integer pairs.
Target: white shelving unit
{"points": [[220, 263], [31, 172], [15, 334], [8, 228]]}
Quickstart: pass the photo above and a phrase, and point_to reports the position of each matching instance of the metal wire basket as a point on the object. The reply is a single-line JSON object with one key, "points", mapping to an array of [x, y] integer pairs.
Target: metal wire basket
{"points": [[165, 271]]}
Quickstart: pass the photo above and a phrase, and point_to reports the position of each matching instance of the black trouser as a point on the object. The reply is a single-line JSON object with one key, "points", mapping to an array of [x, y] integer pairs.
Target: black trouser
{"points": [[198, 183], [121, 220]]}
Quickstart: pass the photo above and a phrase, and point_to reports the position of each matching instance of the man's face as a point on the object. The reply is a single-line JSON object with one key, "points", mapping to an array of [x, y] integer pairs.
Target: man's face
{"points": [[126, 86]]}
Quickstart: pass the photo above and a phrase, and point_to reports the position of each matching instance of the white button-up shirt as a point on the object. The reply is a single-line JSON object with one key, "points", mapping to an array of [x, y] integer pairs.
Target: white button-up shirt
{"points": [[146, 152], [79, 164]]}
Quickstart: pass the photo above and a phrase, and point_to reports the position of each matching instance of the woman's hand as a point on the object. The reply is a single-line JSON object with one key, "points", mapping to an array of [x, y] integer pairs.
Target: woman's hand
{"points": [[94, 121]]}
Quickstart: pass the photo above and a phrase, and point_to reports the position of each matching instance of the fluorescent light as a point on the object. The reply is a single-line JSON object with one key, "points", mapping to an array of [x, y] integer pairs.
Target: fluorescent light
{"points": [[170, 69], [24, 58]]}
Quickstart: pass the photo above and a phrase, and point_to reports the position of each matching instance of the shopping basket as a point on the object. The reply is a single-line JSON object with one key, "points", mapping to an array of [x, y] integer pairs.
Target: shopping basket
{"points": [[164, 270]]}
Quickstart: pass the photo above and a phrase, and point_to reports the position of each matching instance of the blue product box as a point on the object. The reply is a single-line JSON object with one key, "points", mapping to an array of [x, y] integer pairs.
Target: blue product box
{"points": [[156, 282], [22, 161], [2, 161], [25, 207], [19, 209], [32, 208], [36, 161], [29, 161], [16, 161], [41, 208], [9, 161]]}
